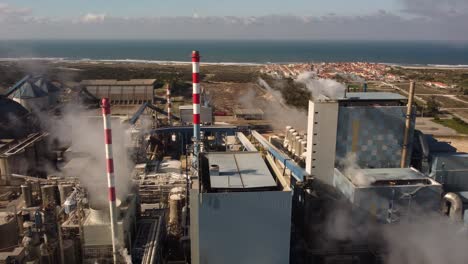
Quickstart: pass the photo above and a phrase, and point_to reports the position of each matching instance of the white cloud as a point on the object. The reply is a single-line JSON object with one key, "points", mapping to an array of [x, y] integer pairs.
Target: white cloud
{"points": [[8, 12], [93, 18], [382, 25], [436, 8]]}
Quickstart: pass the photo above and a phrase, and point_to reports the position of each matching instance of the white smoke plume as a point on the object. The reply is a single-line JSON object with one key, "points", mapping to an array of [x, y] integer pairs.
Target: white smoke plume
{"points": [[419, 237], [321, 87], [275, 108], [354, 172], [85, 130], [428, 239]]}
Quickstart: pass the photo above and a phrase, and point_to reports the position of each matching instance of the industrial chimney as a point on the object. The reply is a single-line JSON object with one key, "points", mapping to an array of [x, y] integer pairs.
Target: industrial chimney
{"points": [[105, 104], [196, 100], [168, 95]]}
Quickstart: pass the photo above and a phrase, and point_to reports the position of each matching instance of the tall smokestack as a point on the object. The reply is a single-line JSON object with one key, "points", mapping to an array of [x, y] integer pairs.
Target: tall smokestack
{"points": [[409, 112], [105, 104], [196, 100], [168, 95]]}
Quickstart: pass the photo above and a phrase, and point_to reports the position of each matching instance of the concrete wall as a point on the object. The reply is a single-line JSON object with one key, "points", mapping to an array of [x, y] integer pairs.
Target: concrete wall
{"points": [[376, 199], [240, 227], [321, 140]]}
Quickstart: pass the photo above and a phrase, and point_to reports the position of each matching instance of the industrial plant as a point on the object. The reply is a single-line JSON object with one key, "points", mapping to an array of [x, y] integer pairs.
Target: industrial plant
{"points": [[110, 171]]}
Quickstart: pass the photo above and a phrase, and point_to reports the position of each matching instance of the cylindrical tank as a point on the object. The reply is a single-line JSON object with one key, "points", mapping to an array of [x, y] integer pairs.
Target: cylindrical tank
{"points": [[291, 131], [303, 147], [38, 219], [65, 190], [26, 192], [286, 142], [184, 216], [99, 212], [49, 195], [69, 252], [8, 230], [36, 187], [292, 142], [175, 202], [214, 170], [299, 149], [296, 146]]}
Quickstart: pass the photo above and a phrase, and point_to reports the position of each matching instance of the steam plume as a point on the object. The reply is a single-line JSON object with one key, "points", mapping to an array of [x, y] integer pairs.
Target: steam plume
{"points": [[321, 87]]}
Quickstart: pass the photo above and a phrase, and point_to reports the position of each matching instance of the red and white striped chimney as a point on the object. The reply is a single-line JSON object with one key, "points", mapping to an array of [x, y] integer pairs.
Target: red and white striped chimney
{"points": [[105, 104], [196, 99], [169, 104]]}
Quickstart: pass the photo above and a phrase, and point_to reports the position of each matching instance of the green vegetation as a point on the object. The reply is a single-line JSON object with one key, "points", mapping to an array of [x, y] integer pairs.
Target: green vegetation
{"points": [[457, 77], [294, 94], [432, 107], [455, 123]]}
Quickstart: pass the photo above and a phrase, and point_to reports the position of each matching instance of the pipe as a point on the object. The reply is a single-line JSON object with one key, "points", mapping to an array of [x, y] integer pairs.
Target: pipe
{"points": [[455, 211], [196, 100], [105, 104], [168, 94], [286, 136], [409, 111]]}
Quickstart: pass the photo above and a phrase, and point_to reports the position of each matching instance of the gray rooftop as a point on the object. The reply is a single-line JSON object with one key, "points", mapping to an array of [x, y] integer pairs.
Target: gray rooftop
{"points": [[113, 82], [249, 111], [29, 90], [395, 175], [239, 170], [389, 174], [373, 96]]}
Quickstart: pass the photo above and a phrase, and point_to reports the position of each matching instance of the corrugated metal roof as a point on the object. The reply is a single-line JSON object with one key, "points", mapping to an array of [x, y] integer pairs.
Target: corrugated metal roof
{"points": [[29, 90], [373, 96], [250, 111], [114, 82], [389, 174], [46, 85], [239, 170], [450, 162]]}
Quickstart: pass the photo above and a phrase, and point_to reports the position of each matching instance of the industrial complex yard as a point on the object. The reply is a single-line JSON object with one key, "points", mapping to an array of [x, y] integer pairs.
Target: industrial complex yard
{"points": [[170, 163]]}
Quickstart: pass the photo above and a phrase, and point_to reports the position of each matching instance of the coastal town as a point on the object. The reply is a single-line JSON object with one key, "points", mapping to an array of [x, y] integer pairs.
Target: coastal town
{"points": [[358, 71]]}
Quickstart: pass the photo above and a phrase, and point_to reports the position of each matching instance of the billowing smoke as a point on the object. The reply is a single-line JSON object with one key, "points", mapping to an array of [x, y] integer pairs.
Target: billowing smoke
{"points": [[417, 237], [275, 108], [321, 87], [352, 170], [426, 239], [85, 130]]}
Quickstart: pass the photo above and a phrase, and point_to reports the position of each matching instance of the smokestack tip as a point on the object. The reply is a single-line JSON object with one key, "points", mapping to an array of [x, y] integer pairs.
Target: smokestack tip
{"points": [[195, 53], [105, 102]]}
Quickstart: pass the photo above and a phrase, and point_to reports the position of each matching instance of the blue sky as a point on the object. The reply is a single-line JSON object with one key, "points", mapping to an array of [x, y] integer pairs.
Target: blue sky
{"points": [[61, 8], [439, 20]]}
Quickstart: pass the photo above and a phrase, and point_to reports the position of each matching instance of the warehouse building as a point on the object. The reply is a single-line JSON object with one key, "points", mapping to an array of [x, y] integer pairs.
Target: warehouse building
{"points": [[130, 92]]}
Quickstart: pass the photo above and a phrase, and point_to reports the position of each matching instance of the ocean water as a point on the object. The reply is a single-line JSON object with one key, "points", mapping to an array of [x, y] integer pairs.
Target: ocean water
{"points": [[216, 51]]}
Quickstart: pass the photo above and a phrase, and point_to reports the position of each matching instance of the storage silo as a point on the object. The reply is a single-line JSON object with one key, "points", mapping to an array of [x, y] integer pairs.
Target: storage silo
{"points": [[51, 89], [31, 97]]}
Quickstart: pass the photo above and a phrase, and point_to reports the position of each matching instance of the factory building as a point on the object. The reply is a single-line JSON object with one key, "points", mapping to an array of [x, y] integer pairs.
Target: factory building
{"points": [[130, 92], [96, 233], [249, 114], [238, 212], [219, 194], [23, 147], [186, 114], [356, 146]]}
